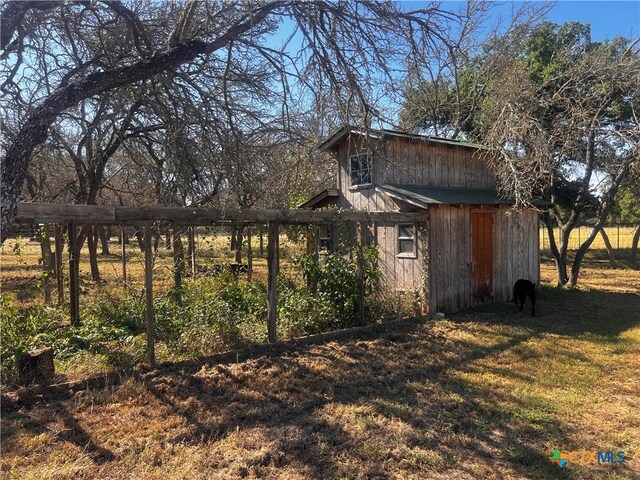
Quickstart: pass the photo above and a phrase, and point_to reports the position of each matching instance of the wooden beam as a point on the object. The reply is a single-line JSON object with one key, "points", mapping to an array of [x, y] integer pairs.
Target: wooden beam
{"points": [[120, 215], [59, 243], [74, 287], [273, 253], [148, 288], [62, 213]]}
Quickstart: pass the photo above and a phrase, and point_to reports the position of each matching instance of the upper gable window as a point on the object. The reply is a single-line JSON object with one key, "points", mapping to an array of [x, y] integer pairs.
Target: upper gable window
{"points": [[360, 169]]}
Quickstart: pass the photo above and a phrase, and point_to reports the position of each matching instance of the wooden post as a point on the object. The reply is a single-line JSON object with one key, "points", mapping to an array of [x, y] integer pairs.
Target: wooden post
{"points": [[249, 255], [362, 229], [148, 288], [192, 251], [123, 247], [74, 268], [178, 262], [313, 242], [57, 233], [273, 252]]}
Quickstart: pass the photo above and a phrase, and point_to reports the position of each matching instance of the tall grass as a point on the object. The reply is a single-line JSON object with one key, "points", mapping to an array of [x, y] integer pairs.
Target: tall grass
{"points": [[211, 314]]}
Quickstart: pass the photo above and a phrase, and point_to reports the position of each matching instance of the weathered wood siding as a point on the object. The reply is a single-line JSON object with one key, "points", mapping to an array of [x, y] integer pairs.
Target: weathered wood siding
{"points": [[516, 250], [398, 273], [515, 254], [431, 164], [401, 161]]}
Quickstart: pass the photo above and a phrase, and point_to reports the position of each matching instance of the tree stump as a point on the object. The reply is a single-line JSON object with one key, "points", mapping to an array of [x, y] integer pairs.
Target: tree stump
{"points": [[36, 365]]}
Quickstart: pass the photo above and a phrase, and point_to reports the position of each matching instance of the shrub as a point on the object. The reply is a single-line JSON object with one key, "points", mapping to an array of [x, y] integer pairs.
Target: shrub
{"points": [[334, 304], [216, 312]]}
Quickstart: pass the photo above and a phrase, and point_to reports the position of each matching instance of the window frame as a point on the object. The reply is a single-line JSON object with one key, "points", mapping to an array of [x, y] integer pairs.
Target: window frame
{"points": [[413, 238], [328, 239], [355, 186]]}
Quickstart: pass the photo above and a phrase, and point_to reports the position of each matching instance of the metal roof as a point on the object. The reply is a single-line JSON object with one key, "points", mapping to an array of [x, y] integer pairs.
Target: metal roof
{"points": [[423, 196], [343, 132]]}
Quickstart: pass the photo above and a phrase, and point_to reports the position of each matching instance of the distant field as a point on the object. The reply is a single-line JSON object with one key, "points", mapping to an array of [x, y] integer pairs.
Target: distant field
{"points": [[488, 393], [21, 265], [620, 237]]}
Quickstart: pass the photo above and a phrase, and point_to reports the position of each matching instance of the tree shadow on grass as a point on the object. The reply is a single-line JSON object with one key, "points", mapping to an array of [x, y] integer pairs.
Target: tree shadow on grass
{"points": [[312, 407], [567, 312], [247, 402]]}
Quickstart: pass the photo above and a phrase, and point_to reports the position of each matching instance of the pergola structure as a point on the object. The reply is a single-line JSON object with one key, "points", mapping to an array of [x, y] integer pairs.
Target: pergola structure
{"points": [[180, 217]]}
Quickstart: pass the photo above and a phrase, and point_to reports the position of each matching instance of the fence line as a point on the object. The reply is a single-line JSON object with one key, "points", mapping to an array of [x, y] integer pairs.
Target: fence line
{"points": [[620, 236]]}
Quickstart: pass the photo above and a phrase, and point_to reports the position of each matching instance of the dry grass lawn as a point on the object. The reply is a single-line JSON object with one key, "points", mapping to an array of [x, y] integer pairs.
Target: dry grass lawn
{"points": [[487, 393]]}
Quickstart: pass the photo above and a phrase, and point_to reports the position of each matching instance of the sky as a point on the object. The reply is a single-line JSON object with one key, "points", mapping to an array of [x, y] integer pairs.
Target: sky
{"points": [[608, 19]]}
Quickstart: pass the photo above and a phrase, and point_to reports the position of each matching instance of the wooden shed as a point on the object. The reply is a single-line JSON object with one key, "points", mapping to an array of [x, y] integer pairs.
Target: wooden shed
{"points": [[473, 245]]}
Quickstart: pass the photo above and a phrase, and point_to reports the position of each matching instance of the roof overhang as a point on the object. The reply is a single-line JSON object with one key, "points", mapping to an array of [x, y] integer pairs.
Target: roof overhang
{"points": [[343, 133], [322, 199], [423, 196]]}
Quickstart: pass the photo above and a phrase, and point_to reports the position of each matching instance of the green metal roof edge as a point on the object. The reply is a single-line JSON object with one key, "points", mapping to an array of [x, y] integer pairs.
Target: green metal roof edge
{"points": [[405, 190]]}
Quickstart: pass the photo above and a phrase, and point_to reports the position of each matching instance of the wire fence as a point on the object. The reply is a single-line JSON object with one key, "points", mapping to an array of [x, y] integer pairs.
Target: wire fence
{"points": [[620, 237]]}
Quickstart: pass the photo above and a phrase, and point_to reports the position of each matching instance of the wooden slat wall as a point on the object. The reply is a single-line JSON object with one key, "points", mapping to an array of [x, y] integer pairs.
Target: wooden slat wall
{"points": [[399, 161], [450, 279], [398, 273], [516, 247], [430, 164], [517, 252]]}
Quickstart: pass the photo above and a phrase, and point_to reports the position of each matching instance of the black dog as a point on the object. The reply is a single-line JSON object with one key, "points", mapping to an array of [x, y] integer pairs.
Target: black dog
{"points": [[523, 289]]}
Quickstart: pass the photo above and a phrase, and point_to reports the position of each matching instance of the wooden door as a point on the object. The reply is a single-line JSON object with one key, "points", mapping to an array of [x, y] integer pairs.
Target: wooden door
{"points": [[482, 255]]}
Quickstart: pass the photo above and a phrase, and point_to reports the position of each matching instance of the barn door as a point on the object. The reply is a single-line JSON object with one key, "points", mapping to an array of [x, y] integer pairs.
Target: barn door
{"points": [[482, 255]]}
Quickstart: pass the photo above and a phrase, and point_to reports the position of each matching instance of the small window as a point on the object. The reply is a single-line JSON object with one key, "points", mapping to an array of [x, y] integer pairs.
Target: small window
{"points": [[324, 238], [407, 240], [361, 170]]}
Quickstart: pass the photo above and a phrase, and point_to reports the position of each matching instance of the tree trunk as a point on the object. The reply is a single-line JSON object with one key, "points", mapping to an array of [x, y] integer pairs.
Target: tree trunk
{"points": [[156, 239], [239, 235], [603, 212], [140, 238], [577, 261], [167, 239], [105, 234], [559, 257], [634, 247], [232, 239], [261, 242], [92, 245], [607, 244]]}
